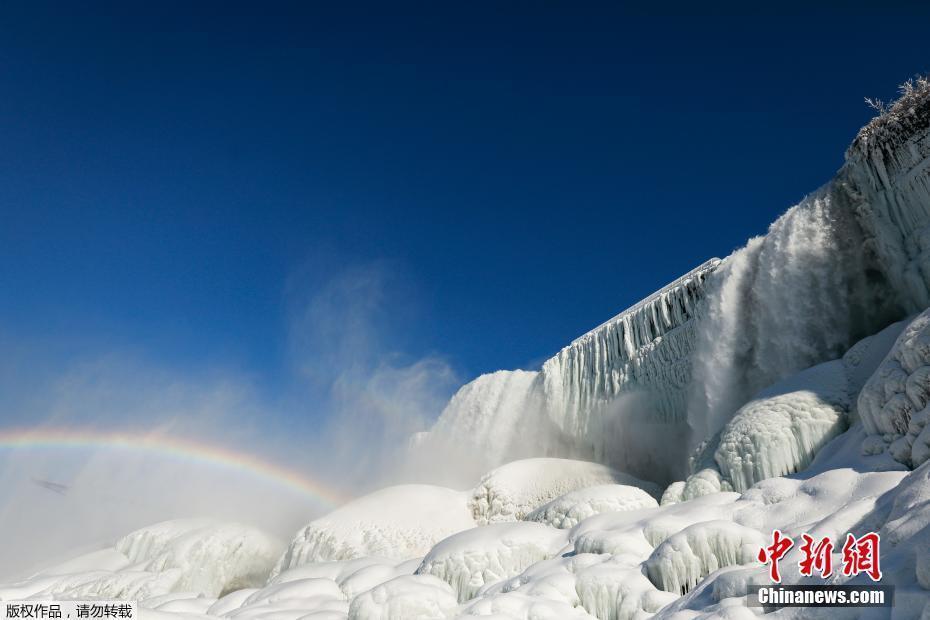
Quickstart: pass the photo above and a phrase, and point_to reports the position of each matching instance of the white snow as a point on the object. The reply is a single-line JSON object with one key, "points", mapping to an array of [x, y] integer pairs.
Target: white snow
{"points": [[512, 491], [399, 522]]}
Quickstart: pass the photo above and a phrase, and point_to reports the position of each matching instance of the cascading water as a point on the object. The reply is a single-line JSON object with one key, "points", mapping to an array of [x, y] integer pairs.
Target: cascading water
{"points": [[800, 295]]}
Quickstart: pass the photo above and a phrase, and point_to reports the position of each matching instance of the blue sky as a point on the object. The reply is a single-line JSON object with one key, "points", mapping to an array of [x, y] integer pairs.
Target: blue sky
{"points": [[485, 181]]}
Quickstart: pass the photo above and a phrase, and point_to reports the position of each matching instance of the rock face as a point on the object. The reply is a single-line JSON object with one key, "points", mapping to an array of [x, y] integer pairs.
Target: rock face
{"points": [[888, 174]]}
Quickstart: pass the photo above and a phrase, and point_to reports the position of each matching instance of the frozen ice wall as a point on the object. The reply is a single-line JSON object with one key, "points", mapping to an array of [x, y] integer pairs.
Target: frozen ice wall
{"points": [[644, 348], [633, 368]]}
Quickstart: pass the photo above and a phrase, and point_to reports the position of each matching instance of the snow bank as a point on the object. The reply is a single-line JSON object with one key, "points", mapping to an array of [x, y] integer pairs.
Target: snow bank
{"points": [[474, 558], [511, 492], [399, 522], [568, 510]]}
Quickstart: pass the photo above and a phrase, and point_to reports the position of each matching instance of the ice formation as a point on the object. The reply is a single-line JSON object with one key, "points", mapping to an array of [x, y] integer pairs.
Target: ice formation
{"points": [[399, 522], [511, 492], [471, 559], [780, 431], [683, 559], [634, 367], [893, 404]]}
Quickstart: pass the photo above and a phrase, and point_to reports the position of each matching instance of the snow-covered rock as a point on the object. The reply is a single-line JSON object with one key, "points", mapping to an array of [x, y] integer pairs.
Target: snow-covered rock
{"points": [[512, 491], [399, 522]]}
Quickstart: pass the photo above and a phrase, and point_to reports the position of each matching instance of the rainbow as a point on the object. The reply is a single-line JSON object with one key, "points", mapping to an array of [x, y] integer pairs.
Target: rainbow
{"points": [[170, 446]]}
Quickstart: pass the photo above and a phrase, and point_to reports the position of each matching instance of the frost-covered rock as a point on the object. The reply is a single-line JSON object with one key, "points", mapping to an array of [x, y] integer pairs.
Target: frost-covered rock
{"points": [[888, 169], [399, 522], [568, 510], [512, 491], [474, 558]]}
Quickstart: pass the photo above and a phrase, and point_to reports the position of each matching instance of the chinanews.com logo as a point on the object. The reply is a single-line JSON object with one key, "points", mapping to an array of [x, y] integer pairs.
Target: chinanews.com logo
{"points": [[858, 556]]}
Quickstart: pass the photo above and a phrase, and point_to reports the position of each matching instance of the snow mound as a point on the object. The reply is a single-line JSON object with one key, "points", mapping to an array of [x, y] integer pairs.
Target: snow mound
{"points": [[512, 491], [400, 522], [197, 555], [411, 597], [893, 404], [568, 510], [471, 559], [781, 430], [685, 558]]}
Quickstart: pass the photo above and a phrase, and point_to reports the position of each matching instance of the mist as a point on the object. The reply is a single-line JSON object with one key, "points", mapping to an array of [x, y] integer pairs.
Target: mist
{"points": [[350, 401]]}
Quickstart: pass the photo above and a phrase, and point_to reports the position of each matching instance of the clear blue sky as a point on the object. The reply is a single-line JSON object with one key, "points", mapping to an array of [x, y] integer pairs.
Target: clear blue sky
{"points": [[527, 170]]}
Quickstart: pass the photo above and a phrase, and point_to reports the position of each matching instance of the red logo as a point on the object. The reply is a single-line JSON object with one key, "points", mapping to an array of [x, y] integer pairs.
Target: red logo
{"points": [[774, 552], [860, 555], [816, 557]]}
